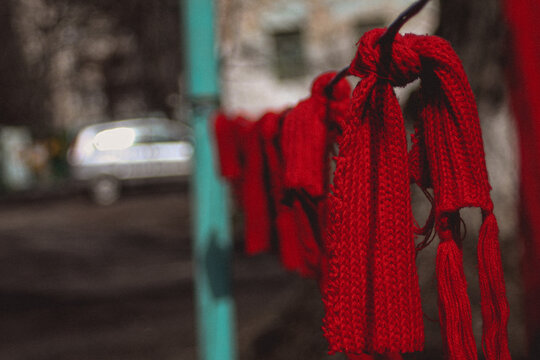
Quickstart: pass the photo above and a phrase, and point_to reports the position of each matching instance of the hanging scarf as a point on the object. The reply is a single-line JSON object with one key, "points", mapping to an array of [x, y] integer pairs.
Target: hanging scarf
{"points": [[229, 150], [307, 133], [372, 299], [287, 223], [240, 149]]}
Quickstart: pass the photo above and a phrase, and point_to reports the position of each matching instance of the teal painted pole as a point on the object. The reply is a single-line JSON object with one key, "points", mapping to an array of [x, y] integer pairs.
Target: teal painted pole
{"points": [[212, 245]]}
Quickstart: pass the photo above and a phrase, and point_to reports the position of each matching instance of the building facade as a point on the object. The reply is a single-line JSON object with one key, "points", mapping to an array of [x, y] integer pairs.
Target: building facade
{"points": [[272, 50]]}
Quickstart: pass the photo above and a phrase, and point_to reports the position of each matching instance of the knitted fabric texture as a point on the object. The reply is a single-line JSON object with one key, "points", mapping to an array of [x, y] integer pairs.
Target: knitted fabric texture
{"points": [[306, 136], [251, 159], [372, 298], [287, 221], [458, 175]]}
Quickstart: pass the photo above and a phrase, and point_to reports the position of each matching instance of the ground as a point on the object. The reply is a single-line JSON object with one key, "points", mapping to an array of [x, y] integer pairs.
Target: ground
{"points": [[80, 281], [83, 282]]}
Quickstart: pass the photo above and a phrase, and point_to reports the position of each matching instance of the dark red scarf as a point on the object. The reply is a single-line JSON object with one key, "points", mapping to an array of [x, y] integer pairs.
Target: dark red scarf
{"points": [[241, 158], [307, 133], [372, 299], [287, 223]]}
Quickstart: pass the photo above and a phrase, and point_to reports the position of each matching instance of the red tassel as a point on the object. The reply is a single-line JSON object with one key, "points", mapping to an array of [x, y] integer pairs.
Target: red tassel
{"points": [[455, 154], [495, 309], [454, 307]]}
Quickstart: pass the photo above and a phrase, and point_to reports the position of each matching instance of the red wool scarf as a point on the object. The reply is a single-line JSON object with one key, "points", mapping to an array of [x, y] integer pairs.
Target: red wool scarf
{"points": [[307, 133], [372, 297], [241, 158]]}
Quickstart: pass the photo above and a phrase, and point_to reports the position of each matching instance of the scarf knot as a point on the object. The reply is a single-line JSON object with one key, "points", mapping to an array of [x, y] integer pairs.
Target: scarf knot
{"points": [[399, 69], [340, 92], [372, 295]]}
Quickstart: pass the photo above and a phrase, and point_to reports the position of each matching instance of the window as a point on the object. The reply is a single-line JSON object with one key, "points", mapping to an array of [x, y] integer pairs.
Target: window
{"points": [[289, 58]]}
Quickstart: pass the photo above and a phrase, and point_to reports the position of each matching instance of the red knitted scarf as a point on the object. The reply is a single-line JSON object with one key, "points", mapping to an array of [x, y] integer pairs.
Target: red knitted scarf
{"points": [[372, 299], [306, 136], [241, 158], [297, 252]]}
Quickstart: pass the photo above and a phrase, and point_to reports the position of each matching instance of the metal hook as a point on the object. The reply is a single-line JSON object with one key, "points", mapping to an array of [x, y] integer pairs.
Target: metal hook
{"points": [[394, 27], [385, 40]]}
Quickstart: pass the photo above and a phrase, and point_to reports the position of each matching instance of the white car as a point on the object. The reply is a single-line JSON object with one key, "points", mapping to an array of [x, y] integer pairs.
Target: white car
{"points": [[106, 155]]}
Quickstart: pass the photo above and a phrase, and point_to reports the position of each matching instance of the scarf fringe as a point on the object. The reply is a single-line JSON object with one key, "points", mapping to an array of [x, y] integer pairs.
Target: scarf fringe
{"points": [[495, 310], [454, 306]]}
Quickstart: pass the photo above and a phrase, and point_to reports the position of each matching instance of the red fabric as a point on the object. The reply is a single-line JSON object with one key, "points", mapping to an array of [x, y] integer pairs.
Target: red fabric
{"points": [[299, 250], [524, 83], [305, 140], [228, 149], [240, 148], [305, 136], [229, 135], [455, 155], [255, 196], [372, 299], [286, 222], [250, 157]]}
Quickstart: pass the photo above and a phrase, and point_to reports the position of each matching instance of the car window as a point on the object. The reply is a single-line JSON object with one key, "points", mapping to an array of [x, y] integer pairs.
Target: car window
{"points": [[157, 133]]}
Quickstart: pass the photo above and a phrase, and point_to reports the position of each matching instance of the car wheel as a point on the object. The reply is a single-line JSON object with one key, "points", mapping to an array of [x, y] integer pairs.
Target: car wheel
{"points": [[105, 190]]}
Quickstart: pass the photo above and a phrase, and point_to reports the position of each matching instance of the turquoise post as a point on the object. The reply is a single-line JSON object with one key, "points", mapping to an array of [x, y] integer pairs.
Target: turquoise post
{"points": [[212, 245]]}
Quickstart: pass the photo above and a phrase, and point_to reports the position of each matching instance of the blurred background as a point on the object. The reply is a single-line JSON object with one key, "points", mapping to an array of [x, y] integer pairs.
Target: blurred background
{"points": [[96, 251]]}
